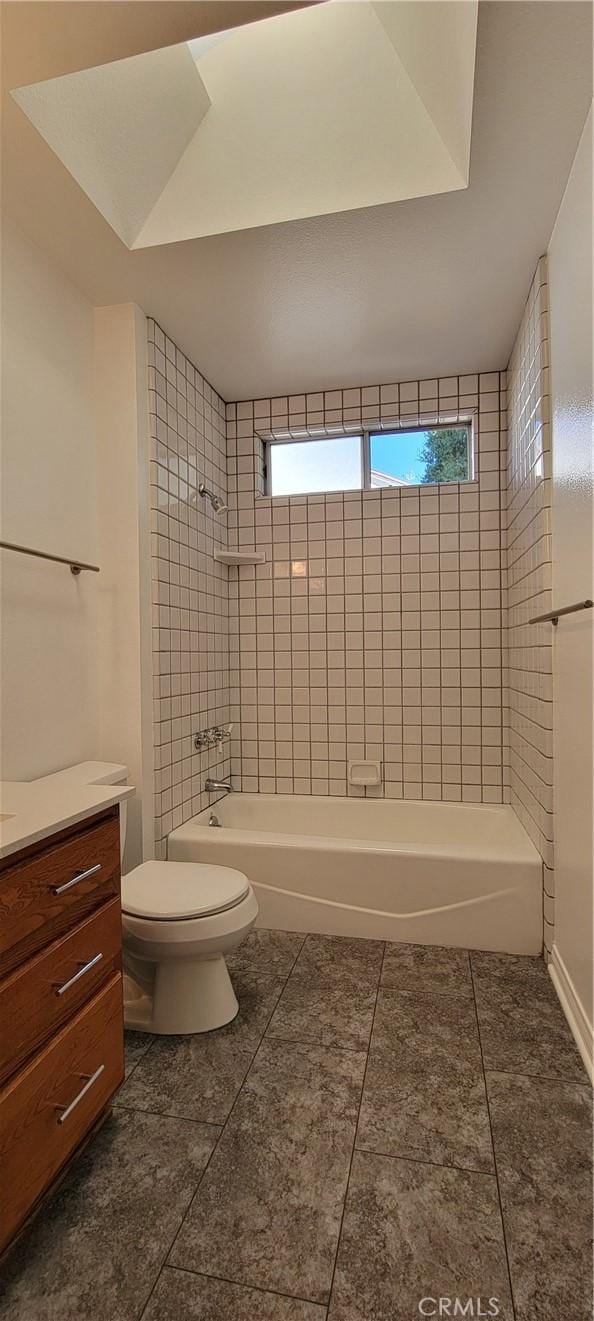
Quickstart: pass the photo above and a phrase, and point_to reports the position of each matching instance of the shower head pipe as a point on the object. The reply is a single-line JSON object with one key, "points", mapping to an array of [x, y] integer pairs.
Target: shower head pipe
{"points": [[216, 501]]}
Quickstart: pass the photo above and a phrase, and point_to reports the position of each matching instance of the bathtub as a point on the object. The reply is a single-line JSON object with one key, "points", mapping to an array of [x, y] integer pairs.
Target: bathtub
{"points": [[430, 873]]}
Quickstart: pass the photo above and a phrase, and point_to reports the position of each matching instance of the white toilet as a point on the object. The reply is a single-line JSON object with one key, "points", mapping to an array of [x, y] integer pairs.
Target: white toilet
{"points": [[179, 921]]}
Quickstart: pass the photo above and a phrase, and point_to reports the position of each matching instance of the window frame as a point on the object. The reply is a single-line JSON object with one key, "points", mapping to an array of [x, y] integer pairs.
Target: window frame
{"points": [[364, 434]]}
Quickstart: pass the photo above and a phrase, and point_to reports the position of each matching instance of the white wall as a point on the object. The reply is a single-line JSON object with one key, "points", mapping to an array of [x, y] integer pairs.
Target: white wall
{"points": [[74, 470], [124, 633], [529, 648], [570, 282], [48, 663]]}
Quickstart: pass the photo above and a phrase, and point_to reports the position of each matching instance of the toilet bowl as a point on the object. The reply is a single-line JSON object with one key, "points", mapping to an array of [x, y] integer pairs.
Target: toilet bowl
{"points": [[179, 920]]}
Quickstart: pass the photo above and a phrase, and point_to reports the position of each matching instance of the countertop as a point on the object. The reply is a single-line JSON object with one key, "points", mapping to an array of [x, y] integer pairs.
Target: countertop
{"points": [[35, 809]]}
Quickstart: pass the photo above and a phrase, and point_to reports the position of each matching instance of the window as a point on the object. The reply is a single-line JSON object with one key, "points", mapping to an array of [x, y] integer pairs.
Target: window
{"points": [[302, 467], [369, 460]]}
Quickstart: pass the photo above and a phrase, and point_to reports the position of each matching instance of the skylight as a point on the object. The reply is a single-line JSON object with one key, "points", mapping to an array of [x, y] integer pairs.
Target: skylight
{"points": [[270, 122], [200, 45]]}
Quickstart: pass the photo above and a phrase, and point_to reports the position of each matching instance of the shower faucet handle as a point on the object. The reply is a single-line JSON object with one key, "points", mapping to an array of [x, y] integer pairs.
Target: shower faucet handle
{"points": [[213, 737], [220, 733]]}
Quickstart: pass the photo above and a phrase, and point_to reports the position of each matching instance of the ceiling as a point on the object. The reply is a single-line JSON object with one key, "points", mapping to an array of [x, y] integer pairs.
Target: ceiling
{"points": [[270, 121], [420, 287]]}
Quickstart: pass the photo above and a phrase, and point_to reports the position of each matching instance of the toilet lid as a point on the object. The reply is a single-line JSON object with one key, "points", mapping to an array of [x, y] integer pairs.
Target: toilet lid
{"points": [[169, 890]]}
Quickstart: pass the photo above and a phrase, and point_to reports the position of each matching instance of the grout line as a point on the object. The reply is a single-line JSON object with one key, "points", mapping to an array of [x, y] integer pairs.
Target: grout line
{"points": [[239, 1091], [326, 1045], [503, 582], [563, 1079], [240, 1284], [461, 648], [127, 1076], [456, 996], [216, 1145], [166, 1114], [511, 1290], [428, 989], [481, 628], [384, 692], [354, 1147], [421, 1160], [143, 1306]]}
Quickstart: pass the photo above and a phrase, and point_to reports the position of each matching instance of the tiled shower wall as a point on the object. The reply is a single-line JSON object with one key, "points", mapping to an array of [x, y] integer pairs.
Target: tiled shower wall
{"points": [[374, 629], [529, 580], [189, 588]]}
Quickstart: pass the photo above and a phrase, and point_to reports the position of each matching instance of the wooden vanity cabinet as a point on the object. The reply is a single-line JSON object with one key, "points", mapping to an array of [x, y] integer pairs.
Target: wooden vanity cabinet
{"points": [[61, 1005]]}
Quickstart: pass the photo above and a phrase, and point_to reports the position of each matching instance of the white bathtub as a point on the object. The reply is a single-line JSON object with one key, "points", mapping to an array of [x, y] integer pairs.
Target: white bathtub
{"points": [[431, 873]]}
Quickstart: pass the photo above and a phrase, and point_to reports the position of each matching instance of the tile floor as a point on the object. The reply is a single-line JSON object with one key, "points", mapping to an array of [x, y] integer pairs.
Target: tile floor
{"points": [[380, 1125]]}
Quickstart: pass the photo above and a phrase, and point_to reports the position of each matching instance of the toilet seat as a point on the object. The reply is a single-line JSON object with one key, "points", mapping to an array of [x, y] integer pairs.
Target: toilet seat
{"points": [[178, 891]]}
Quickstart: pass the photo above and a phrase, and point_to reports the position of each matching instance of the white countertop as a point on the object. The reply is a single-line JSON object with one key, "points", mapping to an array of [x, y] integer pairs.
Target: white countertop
{"points": [[35, 809]]}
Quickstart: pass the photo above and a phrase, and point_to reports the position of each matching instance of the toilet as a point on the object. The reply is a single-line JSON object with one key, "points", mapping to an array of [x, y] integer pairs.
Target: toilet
{"points": [[180, 920]]}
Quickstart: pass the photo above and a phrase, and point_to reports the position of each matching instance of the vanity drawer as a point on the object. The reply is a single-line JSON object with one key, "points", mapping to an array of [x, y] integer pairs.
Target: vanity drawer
{"points": [[46, 1110], [42, 994], [46, 894]]}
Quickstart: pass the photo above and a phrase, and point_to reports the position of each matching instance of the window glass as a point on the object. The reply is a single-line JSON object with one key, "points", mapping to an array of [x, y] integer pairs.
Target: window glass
{"points": [[413, 458], [374, 459], [304, 467]]}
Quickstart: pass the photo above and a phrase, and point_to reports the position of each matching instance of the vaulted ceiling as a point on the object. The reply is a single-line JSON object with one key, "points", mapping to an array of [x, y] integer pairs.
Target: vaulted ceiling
{"points": [[424, 285], [271, 121]]}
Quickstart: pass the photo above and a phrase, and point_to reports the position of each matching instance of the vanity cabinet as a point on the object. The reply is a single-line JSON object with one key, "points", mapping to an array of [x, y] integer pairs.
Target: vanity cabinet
{"points": [[61, 1005], [48, 892]]}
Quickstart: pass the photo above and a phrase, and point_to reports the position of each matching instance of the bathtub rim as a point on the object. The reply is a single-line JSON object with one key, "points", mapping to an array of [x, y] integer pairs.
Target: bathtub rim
{"points": [[520, 850]]}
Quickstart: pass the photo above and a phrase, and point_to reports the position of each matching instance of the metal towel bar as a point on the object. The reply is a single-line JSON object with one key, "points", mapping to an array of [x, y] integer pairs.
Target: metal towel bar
{"points": [[75, 565], [555, 615]]}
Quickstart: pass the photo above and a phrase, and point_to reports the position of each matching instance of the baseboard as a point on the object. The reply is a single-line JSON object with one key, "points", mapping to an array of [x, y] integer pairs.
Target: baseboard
{"points": [[573, 1009]]}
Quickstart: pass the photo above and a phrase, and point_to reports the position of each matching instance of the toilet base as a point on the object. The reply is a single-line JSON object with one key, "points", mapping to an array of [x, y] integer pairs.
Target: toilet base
{"points": [[176, 980], [187, 996]]}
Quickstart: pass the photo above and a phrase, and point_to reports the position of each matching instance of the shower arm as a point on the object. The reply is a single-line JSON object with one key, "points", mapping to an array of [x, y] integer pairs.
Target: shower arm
{"points": [[216, 501]]}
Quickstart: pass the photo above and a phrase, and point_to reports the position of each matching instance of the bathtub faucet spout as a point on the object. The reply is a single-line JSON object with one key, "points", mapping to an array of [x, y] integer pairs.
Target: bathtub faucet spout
{"points": [[214, 786]]}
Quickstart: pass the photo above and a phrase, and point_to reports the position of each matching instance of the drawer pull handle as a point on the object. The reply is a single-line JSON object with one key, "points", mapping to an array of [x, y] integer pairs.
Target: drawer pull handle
{"points": [[67, 1109], [86, 967], [82, 876]]}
